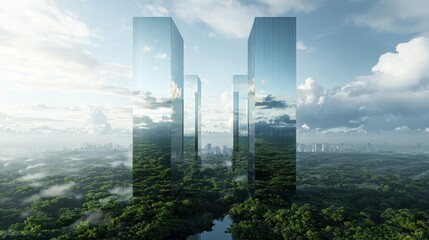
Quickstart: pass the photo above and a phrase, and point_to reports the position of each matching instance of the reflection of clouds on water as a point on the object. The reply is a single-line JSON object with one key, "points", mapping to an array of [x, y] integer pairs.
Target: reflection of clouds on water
{"points": [[219, 229]]}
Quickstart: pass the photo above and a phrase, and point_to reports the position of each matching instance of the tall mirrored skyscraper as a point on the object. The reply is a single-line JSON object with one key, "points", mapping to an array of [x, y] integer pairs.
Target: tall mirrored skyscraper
{"points": [[192, 119], [272, 106], [158, 105], [240, 90]]}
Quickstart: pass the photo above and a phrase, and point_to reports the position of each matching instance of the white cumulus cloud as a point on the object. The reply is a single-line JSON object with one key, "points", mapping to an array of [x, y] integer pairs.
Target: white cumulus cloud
{"points": [[97, 123], [406, 68], [300, 46], [234, 18], [44, 47], [155, 9], [393, 96]]}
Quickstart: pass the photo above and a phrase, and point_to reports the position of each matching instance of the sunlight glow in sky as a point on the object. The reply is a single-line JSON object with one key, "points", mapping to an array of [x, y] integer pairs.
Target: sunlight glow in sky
{"points": [[66, 66]]}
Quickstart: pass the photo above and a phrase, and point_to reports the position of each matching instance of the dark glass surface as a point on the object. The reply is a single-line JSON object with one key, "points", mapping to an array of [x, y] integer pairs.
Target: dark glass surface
{"points": [[240, 129], [192, 113], [272, 106], [158, 104]]}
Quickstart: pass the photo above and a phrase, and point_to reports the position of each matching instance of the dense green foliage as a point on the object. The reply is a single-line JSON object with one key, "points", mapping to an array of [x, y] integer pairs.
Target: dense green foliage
{"points": [[93, 201], [339, 196], [275, 169], [345, 196]]}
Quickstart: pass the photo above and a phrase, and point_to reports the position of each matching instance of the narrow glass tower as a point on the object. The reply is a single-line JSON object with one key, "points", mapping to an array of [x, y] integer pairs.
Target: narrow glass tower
{"points": [[240, 127], [192, 124], [272, 107], [157, 105]]}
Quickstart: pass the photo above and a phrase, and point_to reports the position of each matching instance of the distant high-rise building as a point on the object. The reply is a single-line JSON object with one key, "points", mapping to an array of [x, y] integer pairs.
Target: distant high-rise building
{"points": [[325, 147], [217, 150], [192, 118], [158, 104], [208, 148], [317, 147], [272, 106], [240, 127]]}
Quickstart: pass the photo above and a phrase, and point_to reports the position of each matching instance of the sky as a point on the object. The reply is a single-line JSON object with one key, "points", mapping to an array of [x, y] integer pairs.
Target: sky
{"points": [[66, 67]]}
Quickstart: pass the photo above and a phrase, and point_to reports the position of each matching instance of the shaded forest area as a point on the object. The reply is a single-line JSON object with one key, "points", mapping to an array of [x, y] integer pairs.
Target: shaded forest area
{"points": [[339, 196], [345, 196]]}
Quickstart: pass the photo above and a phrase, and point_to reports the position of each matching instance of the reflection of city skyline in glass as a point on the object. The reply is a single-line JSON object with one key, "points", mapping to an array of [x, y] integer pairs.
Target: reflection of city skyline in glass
{"points": [[272, 105], [158, 100], [192, 114]]}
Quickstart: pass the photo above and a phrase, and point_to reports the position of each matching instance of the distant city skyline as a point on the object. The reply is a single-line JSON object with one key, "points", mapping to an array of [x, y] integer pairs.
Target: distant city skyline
{"points": [[362, 148]]}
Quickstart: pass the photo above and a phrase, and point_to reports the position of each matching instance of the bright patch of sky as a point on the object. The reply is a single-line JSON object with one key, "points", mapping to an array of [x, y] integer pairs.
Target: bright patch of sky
{"points": [[66, 66]]}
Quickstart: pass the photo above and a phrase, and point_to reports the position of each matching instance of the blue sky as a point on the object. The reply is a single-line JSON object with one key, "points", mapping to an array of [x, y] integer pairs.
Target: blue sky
{"points": [[362, 66]]}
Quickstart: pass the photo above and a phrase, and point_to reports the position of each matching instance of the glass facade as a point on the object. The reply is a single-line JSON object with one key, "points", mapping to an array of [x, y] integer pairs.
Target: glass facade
{"points": [[272, 106], [157, 105], [192, 120], [240, 127]]}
